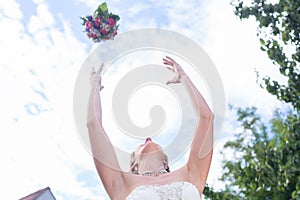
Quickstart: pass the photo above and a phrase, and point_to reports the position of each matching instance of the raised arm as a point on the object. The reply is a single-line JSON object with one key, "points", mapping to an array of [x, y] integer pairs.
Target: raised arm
{"points": [[103, 153], [202, 146]]}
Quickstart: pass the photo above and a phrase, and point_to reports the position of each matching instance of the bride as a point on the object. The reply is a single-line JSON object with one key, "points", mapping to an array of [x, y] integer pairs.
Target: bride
{"points": [[150, 177]]}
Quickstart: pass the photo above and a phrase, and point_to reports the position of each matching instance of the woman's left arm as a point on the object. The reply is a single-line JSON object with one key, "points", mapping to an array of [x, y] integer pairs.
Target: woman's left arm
{"points": [[202, 145]]}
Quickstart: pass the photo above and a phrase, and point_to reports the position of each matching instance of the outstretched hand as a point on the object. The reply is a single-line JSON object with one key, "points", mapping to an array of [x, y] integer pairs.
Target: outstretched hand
{"points": [[174, 67], [96, 77]]}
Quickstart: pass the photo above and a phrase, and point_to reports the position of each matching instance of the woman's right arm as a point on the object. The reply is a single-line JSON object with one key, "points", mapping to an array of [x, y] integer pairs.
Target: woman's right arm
{"points": [[103, 153]]}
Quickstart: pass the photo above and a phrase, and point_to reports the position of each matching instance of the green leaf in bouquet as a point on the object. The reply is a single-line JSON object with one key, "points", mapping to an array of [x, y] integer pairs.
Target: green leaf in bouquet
{"points": [[103, 7], [101, 10], [115, 17], [84, 20]]}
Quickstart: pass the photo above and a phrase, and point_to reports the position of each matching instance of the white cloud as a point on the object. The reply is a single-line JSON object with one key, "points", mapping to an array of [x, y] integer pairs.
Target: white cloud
{"points": [[10, 9], [38, 1], [136, 8], [42, 20]]}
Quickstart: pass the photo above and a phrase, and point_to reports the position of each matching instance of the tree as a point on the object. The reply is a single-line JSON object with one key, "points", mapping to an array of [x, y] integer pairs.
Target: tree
{"points": [[279, 33], [266, 159], [266, 162]]}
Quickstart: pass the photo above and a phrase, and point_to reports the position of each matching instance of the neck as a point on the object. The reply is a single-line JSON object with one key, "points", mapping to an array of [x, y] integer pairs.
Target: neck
{"points": [[150, 166], [156, 172]]}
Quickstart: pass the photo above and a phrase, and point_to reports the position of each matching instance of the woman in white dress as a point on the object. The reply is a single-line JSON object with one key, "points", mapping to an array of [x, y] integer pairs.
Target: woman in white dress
{"points": [[150, 177]]}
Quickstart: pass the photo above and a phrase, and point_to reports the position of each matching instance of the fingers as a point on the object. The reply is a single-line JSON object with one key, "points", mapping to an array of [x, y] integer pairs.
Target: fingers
{"points": [[175, 67], [171, 68], [174, 80], [172, 65], [93, 70], [171, 59], [96, 76], [171, 62], [100, 68], [168, 63]]}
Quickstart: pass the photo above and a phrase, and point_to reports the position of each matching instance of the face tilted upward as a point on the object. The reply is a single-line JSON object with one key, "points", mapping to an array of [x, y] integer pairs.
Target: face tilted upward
{"points": [[147, 152]]}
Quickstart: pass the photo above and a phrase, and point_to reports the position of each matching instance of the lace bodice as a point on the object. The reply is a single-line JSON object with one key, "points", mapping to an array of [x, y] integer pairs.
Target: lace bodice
{"points": [[173, 191]]}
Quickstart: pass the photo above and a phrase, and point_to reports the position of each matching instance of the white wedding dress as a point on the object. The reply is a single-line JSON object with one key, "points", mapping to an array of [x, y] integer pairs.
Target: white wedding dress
{"points": [[172, 191]]}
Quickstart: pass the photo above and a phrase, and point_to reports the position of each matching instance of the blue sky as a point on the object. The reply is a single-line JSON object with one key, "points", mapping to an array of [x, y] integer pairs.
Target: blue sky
{"points": [[42, 48]]}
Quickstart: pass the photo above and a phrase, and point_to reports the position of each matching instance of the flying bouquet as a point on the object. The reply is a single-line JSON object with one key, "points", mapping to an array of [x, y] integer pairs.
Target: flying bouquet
{"points": [[101, 25]]}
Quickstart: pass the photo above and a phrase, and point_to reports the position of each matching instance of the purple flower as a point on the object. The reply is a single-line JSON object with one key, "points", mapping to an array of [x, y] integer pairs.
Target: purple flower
{"points": [[100, 26], [90, 18], [96, 32]]}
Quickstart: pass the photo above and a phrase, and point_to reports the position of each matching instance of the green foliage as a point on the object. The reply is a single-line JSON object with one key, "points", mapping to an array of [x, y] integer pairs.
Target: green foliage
{"points": [[224, 195], [279, 33], [266, 162], [102, 10], [267, 166]]}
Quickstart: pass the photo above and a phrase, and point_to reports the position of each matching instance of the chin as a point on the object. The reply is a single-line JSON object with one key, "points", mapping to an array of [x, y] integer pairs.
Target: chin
{"points": [[150, 147]]}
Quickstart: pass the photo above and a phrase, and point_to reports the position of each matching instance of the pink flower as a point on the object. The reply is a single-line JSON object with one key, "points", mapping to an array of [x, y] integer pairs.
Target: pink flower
{"points": [[89, 35], [97, 21], [94, 35], [88, 24], [103, 31], [111, 21], [115, 32]]}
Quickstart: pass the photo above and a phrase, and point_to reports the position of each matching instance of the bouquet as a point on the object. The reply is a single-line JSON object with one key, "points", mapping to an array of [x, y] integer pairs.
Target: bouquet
{"points": [[101, 25]]}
